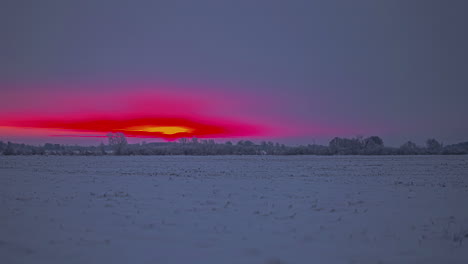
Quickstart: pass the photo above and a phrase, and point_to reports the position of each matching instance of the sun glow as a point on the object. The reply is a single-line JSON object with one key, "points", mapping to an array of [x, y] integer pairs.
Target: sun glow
{"points": [[146, 111], [167, 130]]}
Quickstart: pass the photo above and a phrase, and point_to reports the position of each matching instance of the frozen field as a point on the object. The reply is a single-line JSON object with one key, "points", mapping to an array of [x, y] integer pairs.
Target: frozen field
{"points": [[237, 209]]}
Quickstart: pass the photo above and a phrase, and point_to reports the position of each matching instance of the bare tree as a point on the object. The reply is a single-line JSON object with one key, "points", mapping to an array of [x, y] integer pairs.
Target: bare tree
{"points": [[409, 148], [372, 145], [118, 142], [433, 146]]}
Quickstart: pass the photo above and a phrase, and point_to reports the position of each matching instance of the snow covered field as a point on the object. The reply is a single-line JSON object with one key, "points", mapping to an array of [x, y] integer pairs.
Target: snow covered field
{"points": [[234, 209]]}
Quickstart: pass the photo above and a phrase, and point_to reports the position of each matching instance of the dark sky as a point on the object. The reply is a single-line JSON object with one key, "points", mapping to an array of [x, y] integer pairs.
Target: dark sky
{"points": [[398, 69]]}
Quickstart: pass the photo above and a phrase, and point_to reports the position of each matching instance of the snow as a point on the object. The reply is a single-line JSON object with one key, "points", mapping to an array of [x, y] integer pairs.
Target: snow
{"points": [[234, 209]]}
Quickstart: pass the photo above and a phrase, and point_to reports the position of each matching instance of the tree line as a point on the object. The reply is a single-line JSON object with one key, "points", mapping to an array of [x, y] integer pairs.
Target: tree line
{"points": [[118, 145]]}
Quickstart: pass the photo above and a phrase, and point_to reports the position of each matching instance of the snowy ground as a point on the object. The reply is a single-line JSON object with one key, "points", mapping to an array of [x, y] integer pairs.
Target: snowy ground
{"points": [[239, 209]]}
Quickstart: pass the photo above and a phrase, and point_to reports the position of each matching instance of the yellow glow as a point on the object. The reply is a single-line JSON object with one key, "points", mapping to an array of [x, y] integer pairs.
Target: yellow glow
{"points": [[168, 130]]}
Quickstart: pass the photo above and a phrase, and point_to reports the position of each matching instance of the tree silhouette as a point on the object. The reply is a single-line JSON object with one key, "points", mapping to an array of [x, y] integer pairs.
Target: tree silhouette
{"points": [[118, 142]]}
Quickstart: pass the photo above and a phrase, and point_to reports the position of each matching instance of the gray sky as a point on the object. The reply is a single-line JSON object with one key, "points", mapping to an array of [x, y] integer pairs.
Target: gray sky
{"points": [[398, 69]]}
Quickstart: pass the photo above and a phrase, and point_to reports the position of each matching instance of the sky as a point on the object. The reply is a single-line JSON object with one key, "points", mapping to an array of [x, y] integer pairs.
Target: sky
{"points": [[295, 72]]}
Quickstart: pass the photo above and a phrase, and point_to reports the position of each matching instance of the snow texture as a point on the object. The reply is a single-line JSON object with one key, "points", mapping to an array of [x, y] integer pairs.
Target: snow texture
{"points": [[234, 209]]}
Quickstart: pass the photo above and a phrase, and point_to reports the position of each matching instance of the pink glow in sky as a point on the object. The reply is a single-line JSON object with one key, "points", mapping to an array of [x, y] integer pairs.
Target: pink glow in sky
{"points": [[146, 111]]}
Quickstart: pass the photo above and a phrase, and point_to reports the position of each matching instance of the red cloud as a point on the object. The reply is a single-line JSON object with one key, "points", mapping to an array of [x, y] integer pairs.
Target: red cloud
{"points": [[148, 110], [168, 128]]}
